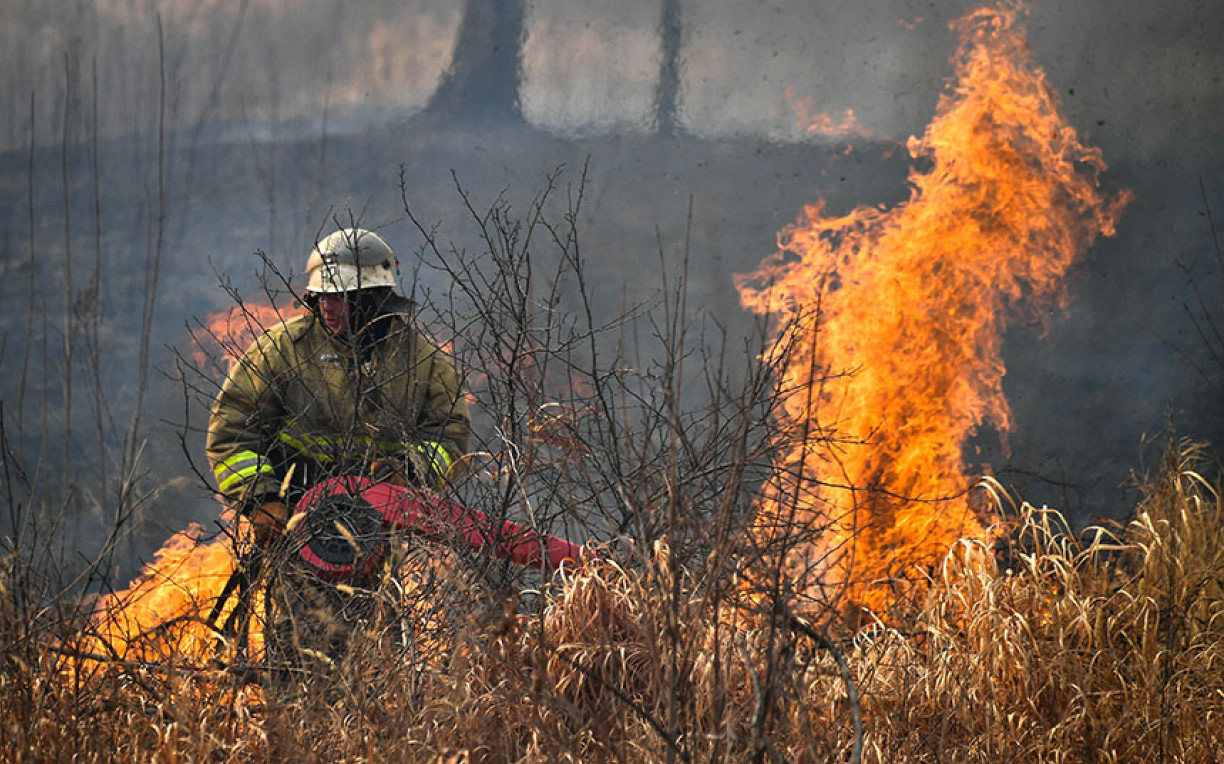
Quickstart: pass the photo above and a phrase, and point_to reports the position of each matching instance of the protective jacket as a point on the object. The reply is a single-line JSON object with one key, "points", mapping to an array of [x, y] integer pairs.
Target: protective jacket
{"points": [[302, 405]]}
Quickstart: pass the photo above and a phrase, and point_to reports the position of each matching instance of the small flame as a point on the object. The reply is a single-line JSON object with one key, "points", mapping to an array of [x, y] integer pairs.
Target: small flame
{"points": [[162, 615], [225, 335], [896, 318], [169, 615], [823, 123]]}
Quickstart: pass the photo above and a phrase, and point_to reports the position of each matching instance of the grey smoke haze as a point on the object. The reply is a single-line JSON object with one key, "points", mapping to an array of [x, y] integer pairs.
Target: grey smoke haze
{"points": [[1132, 71], [277, 113]]}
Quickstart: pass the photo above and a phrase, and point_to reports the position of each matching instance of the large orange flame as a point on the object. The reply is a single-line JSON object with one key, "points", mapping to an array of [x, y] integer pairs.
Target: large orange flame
{"points": [[896, 317]]}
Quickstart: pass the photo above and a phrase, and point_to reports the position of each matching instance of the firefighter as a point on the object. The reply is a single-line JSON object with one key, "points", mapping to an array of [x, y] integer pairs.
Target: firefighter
{"points": [[346, 386], [349, 388]]}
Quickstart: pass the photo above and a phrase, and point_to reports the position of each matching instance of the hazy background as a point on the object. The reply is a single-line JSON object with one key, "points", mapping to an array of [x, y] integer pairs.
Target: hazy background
{"points": [[269, 116]]}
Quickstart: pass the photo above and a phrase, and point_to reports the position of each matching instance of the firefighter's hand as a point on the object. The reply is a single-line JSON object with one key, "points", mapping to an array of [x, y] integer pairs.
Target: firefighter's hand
{"points": [[268, 521], [392, 471]]}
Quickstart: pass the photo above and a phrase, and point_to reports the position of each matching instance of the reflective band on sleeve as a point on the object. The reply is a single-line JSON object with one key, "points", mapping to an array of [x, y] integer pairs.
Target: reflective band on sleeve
{"points": [[239, 467], [437, 456]]}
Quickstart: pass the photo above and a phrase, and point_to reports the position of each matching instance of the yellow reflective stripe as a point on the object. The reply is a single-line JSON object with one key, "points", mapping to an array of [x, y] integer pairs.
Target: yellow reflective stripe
{"points": [[239, 467], [317, 447], [437, 455], [303, 448], [238, 461]]}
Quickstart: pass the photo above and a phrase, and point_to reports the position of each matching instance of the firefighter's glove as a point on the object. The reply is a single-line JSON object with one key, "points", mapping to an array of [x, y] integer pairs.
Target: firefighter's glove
{"points": [[430, 462], [393, 471], [268, 522]]}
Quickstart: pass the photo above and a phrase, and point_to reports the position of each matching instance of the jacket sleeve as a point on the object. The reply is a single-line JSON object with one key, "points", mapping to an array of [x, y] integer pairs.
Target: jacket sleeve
{"points": [[241, 427], [444, 424]]}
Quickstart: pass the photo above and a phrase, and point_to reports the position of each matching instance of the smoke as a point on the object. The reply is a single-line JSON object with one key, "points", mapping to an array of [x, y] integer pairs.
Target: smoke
{"points": [[1132, 70], [618, 53], [272, 116], [252, 65]]}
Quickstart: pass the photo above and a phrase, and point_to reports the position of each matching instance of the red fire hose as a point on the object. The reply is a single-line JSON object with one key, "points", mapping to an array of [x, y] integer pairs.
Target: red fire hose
{"points": [[344, 524]]}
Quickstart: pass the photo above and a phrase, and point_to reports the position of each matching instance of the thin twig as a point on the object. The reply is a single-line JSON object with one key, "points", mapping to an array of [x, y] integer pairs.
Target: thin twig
{"points": [[856, 710]]}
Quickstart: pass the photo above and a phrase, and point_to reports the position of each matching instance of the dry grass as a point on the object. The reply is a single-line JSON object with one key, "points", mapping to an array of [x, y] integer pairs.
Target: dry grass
{"points": [[1106, 647], [1101, 650]]}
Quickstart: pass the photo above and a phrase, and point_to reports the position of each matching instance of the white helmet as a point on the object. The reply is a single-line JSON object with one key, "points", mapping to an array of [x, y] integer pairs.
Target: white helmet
{"points": [[351, 259]]}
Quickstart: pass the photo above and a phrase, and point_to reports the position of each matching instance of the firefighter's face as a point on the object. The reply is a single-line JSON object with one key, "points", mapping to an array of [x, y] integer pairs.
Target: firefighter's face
{"points": [[335, 309]]}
